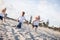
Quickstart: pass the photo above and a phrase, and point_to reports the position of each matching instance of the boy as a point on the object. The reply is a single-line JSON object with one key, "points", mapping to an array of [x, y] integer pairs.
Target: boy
{"points": [[21, 20]]}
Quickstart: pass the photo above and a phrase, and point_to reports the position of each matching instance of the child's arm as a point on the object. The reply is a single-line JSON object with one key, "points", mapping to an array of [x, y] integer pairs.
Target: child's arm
{"points": [[25, 19], [17, 19], [41, 21], [33, 21]]}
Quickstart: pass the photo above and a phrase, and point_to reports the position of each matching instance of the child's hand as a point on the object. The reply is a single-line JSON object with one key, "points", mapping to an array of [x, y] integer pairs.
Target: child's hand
{"points": [[26, 21], [42, 20], [17, 20]]}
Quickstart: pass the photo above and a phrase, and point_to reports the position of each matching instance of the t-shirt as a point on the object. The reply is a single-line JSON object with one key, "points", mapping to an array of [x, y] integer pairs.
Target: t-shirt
{"points": [[36, 22], [21, 19], [1, 14]]}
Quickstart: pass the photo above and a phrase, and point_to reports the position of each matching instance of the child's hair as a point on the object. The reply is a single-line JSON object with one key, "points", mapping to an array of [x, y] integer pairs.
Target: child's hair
{"points": [[37, 18], [4, 10], [23, 12]]}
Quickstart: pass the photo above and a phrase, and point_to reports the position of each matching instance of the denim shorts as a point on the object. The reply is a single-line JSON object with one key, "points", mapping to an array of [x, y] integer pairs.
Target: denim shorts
{"points": [[19, 25], [35, 26], [1, 17]]}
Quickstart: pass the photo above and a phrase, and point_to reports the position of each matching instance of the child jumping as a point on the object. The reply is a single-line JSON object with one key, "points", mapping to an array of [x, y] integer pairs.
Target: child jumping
{"points": [[21, 20]]}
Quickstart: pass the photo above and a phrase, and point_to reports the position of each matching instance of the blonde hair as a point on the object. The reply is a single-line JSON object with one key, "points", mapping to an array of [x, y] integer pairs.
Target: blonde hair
{"points": [[4, 10], [37, 18]]}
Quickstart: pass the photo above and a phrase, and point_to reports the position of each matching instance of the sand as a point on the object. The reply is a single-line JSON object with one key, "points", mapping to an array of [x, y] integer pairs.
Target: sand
{"points": [[8, 31]]}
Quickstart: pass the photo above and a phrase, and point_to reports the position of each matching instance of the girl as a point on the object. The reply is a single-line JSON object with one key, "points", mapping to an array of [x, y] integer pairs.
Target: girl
{"points": [[2, 15], [36, 23]]}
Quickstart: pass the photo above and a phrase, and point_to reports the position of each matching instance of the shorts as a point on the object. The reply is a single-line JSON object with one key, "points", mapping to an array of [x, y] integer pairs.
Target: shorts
{"points": [[1, 17], [19, 25], [35, 26]]}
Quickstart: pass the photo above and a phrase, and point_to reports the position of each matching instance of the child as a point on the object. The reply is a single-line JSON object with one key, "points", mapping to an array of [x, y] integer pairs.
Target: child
{"points": [[36, 22], [21, 20], [2, 15]]}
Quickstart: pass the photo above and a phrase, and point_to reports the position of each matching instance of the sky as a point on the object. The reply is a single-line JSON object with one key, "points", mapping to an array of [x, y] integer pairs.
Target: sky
{"points": [[47, 9]]}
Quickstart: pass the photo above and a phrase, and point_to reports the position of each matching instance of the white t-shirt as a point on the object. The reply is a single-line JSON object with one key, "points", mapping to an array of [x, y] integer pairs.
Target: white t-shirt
{"points": [[1, 14], [21, 19], [36, 22]]}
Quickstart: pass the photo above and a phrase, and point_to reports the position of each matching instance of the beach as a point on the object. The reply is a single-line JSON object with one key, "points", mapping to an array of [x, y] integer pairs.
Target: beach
{"points": [[8, 31]]}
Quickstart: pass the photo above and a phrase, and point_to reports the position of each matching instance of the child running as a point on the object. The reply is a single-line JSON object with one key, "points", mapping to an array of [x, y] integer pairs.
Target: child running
{"points": [[36, 22], [21, 20], [2, 15]]}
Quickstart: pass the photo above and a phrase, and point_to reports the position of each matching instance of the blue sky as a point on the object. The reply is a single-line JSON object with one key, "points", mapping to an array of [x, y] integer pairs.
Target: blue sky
{"points": [[47, 9]]}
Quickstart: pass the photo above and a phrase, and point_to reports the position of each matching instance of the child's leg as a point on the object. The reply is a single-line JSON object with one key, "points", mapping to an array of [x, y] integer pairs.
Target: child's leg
{"points": [[3, 20], [36, 28], [32, 26]]}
